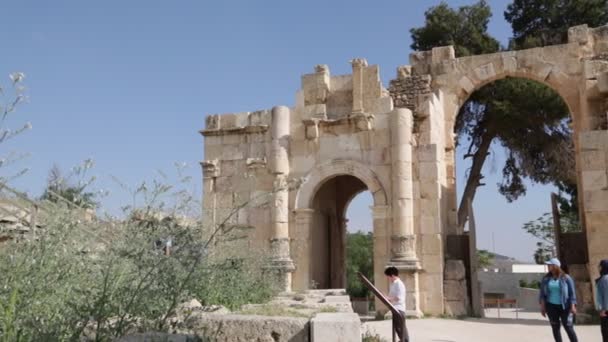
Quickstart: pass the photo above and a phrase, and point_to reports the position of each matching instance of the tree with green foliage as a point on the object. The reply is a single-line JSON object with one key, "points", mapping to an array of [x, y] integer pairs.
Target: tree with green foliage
{"points": [[464, 28], [359, 258], [60, 189], [543, 229], [527, 118], [484, 258], [540, 23]]}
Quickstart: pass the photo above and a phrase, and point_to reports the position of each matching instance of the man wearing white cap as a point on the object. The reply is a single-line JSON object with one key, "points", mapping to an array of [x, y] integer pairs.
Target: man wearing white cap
{"points": [[558, 300]]}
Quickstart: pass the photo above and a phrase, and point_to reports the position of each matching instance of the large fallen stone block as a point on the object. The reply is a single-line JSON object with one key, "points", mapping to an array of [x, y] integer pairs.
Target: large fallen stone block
{"points": [[335, 327], [337, 299], [242, 328], [158, 337]]}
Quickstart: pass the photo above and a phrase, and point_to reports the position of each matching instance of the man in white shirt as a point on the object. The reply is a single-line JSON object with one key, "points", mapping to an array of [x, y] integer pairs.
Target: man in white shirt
{"points": [[396, 296]]}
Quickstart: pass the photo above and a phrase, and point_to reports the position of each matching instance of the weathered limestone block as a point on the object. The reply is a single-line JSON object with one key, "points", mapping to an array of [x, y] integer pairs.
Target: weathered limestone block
{"points": [[240, 328], [441, 53], [429, 225], [381, 105], [232, 139], [432, 244], [594, 140], [602, 82], [466, 84], [430, 189], [315, 111], [593, 160], [312, 129], [578, 34], [158, 337], [377, 156], [454, 290], [597, 244], [364, 122], [335, 327], [212, 122], [593, 68], [485, 72], [211, 168], [432, 263], [596, 221], [337, 299], [303, 163], [429, 171], [316, 88], [509, 61], [595, 179], [454, 270]]}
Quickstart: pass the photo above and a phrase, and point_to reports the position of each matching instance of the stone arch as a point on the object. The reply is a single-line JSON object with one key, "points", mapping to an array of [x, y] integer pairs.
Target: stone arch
{"points": [[339, 167], [557, 67], [570, 98]]}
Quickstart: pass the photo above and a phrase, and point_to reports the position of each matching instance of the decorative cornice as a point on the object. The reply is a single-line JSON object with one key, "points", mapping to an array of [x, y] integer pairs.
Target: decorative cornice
{"points": [[234, 130]]}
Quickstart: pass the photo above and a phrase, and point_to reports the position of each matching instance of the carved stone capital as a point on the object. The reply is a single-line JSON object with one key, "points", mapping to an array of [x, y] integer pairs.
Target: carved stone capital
{"points": [[404, 251], [254, 163], [211, 168], [279, 255], [363, 121], [312, 129]]}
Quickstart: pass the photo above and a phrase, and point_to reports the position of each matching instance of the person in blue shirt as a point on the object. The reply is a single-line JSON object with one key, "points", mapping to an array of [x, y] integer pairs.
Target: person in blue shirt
{"points": [[558, 300], [601, 297]]}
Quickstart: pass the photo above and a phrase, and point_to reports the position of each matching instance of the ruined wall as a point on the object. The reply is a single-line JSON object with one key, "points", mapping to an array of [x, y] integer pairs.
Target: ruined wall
{"points": [[400, 144]]}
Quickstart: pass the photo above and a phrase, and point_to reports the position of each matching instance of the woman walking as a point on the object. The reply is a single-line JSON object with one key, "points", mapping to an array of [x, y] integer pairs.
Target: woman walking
{"points": [[558, 300], [601, 297]]}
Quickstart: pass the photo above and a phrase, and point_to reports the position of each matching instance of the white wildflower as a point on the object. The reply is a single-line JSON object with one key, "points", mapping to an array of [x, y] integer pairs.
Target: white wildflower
{"points": [[17, 77]]}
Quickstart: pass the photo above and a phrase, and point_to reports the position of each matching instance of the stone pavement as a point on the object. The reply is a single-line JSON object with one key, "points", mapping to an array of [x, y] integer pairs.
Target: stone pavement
{"points": [[480, 330]]}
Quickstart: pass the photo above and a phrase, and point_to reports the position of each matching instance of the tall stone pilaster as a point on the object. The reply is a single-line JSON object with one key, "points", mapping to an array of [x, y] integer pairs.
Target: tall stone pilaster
{"points": [[403, 238], [358, 64], [279, 210]]}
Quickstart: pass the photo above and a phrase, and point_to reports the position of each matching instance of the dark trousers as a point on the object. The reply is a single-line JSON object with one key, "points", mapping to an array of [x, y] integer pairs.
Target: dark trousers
{"points": [[401, 328], [604, 329], [556, 314]]}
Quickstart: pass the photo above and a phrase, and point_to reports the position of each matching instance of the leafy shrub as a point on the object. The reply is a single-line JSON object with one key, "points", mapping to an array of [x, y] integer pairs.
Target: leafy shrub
{"points": [[103, 278], [359, 258]]}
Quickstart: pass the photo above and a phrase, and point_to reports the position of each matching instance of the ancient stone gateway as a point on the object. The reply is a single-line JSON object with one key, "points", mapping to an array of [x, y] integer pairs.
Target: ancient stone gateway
{"points": [[347, 134]]}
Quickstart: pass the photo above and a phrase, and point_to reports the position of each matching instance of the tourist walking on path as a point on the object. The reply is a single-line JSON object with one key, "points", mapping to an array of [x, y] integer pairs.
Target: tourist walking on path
{"points": [[396, 295], [601, 298], [558, 300]]}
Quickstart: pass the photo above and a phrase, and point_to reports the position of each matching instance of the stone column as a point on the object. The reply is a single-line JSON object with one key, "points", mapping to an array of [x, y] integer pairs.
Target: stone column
{"points": [[358, 64], [403, 238], [382, 230], [279, 209], [303, 220]]}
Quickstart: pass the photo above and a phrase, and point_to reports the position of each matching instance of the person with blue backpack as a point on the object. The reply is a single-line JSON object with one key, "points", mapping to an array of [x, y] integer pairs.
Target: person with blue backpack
{"points": [[558, 300], [601, 298]]}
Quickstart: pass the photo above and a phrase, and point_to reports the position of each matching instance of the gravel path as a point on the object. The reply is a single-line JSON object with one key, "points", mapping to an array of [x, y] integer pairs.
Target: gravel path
{"points": [[481, 330]]}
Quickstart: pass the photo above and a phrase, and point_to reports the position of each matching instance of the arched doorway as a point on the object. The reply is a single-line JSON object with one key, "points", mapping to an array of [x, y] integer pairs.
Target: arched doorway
{"points": [[328, 233], [319, 247], [515, 138]]}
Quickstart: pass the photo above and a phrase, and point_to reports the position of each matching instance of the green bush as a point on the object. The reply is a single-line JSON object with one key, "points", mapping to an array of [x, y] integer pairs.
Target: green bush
{"points": [[103, 278], [359, 258]]}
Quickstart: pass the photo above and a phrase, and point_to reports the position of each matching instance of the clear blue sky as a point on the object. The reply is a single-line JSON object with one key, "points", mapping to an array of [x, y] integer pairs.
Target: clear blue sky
{"points": [[128, 83]]}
